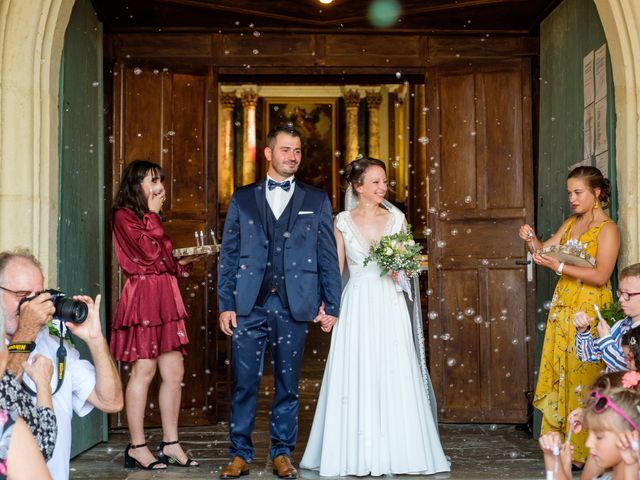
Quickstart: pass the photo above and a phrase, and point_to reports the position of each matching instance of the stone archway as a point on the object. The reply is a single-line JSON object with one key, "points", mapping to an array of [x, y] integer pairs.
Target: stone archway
{"points": [[621, 22], [30, 52]]}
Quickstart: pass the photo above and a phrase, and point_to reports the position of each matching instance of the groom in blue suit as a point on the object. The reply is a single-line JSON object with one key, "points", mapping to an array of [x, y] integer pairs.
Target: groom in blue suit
{"points": [[278, 271]]}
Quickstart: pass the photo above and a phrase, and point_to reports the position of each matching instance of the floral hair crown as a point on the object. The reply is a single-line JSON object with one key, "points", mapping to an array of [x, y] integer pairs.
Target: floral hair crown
{"points": [[631, 379]]}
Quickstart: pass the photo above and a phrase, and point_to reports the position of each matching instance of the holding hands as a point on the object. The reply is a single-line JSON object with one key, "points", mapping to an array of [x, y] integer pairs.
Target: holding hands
{"points": [[326, 321]]}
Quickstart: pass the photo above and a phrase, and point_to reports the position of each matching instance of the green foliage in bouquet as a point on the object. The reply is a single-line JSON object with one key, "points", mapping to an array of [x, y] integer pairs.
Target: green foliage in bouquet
{"points": [[612, 312], [396, 253]]}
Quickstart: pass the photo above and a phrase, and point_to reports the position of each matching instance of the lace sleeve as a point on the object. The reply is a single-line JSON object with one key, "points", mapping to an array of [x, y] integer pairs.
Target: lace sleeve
{"points": [[341, 221], [40, 420]]}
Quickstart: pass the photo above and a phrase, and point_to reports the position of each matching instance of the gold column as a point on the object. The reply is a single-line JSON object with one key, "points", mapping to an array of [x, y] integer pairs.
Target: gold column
{"points": [[249, 101], [352, 101], [419, 187], [399, 163], [225, 150], [374, 100]]}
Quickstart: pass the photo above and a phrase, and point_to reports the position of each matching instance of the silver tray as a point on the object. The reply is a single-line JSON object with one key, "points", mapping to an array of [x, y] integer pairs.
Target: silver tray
{"points": [[567, 254], [202, 250]]}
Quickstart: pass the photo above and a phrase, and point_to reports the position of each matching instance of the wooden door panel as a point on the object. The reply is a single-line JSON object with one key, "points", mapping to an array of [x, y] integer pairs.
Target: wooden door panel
{"points": [[162, 116], [457, 154], [461, 236], [142, 109], [502, 138], [479, 195], [461, 349], [188, 163], [506, 336]]}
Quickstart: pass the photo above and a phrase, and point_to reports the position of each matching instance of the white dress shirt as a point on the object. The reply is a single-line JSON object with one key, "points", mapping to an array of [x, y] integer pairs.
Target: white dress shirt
{"points": [[278, 198]]}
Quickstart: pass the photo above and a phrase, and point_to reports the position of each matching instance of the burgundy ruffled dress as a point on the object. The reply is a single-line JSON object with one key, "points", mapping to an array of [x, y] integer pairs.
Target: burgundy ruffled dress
{"points": [[150, 317]]}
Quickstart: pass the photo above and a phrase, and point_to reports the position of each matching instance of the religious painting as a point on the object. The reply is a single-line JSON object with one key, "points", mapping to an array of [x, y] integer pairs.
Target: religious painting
{"points": [[315, 119]]}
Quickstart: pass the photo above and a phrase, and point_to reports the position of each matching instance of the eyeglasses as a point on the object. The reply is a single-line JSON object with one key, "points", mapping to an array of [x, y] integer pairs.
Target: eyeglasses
{"points": [[18, 293], [602, 402], [626, 295]]}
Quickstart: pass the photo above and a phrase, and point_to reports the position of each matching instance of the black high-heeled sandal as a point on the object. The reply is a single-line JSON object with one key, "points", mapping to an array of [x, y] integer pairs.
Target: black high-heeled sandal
{"points": [[130, 462], [169, 460]]}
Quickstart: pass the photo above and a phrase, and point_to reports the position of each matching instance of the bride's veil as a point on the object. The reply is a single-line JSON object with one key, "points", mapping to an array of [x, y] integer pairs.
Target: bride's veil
{"points": [[414, 306]]}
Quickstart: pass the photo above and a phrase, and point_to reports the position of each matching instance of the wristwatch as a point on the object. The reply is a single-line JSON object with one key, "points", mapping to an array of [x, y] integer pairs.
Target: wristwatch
{"points": [[559, 269]]}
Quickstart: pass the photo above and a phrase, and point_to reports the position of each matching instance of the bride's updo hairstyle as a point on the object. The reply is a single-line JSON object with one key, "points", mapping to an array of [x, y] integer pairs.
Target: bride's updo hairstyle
{"points": [[593, 178], [354, 172]]}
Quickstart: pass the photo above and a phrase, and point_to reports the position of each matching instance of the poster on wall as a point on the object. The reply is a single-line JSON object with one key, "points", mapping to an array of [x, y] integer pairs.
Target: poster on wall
{"points": [[601, 126], [587, 78], [600, 71], [602, 163], [589, 132]]}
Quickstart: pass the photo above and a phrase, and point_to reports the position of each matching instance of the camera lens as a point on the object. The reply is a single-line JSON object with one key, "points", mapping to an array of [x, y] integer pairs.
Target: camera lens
{"points": [[69, 310]]}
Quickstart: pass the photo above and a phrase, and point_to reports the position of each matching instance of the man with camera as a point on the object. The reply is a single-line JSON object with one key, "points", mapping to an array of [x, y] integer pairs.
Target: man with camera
{"points": [[82, 386]]}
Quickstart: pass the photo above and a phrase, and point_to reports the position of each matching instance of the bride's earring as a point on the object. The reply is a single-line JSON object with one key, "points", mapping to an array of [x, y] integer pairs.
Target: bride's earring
{"points": [[596, 206]]}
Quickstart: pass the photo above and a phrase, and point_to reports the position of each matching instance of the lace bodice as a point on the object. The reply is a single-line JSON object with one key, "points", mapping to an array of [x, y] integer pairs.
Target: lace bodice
{"points": [[357, 247]]}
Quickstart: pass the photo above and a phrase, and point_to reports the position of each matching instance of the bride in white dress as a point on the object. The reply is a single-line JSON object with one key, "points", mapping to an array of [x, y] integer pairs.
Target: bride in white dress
{"points": [[376, 410]]}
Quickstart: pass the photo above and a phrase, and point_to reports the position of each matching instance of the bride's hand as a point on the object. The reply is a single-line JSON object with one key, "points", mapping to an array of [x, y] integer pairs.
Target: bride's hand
{"points": [[394, 275]]}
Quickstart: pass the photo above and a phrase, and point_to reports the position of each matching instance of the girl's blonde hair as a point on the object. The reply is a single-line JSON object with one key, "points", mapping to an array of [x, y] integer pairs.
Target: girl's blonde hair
{"points": [[626, 399]]}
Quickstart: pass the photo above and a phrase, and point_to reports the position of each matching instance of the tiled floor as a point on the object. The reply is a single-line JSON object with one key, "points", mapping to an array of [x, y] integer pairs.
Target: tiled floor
{"points": [[476, 452]]}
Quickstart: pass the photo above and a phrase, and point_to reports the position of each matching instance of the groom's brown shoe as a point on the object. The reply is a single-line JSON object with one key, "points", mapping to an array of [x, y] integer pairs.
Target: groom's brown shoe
{"points": [[236, 468], [283, 468]]}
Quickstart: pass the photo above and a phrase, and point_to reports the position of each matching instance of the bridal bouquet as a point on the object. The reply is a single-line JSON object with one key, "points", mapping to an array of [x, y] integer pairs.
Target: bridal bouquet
{"points": [[396, 253]]}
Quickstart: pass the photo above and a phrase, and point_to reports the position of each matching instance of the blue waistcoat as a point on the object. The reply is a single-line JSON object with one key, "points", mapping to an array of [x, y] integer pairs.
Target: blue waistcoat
{"points": [[274, 271]]}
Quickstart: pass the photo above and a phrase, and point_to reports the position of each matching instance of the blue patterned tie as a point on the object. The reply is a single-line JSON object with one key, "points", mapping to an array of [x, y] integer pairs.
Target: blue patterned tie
{"points": [[286, 185]]}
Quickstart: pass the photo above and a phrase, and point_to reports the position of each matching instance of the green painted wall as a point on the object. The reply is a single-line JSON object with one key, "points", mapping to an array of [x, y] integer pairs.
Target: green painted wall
{"points": [[81, 233], [570, 32]]}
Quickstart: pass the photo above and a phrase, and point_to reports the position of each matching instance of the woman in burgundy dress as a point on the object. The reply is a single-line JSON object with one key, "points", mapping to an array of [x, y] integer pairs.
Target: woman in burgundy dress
{"points": [[148, 327]]}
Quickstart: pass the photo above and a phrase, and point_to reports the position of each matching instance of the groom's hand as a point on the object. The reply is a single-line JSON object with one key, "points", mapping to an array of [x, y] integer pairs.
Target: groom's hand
{"points": [[227, 321], [327, 322]]}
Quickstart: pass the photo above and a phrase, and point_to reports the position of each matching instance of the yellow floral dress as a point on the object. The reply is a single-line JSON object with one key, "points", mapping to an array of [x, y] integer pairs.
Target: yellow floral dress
{"points": [[563, 380]]}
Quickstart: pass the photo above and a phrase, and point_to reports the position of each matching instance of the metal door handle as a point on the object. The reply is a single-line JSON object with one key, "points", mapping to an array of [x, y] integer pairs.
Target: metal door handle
{"points": [[529, 263]]}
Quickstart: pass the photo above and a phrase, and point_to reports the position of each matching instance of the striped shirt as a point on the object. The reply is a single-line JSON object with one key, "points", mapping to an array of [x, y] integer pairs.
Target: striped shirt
{"points": [[607, 348]]}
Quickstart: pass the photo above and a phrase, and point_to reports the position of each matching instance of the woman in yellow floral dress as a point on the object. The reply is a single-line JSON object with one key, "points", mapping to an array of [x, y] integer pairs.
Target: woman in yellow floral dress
{"points": [[563, 380]]}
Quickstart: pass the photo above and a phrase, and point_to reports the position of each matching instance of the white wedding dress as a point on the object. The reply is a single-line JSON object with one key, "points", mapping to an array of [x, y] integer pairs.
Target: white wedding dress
{"points": [[375, 414]]}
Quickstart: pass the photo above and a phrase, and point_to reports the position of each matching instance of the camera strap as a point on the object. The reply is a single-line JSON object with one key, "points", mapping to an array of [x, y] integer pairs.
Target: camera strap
{"points": [[21, 347], [61, 356]]}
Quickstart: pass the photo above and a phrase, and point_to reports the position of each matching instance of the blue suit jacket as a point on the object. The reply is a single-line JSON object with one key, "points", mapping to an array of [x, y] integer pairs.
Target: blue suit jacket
{"points": [[311, 267]]}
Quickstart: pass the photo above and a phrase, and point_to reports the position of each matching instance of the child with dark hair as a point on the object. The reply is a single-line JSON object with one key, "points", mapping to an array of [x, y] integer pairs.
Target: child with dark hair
{"points": [[631, 349]]}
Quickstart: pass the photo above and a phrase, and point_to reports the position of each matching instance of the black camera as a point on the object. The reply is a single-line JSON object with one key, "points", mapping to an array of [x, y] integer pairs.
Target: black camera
{"points": [[67, 309]]}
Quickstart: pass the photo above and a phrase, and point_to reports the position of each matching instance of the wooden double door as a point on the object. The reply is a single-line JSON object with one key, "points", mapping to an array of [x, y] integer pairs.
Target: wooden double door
{"points": [[475, 182]]}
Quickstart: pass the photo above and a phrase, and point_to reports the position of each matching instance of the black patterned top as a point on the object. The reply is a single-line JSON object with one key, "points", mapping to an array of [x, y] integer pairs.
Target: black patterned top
{"points": [[7, 422], [40, 420]]}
